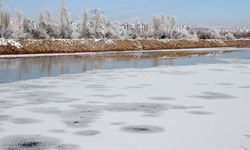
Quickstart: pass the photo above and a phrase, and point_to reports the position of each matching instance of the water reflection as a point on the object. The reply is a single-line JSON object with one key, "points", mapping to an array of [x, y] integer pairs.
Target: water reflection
{"points": [[35, 67]]}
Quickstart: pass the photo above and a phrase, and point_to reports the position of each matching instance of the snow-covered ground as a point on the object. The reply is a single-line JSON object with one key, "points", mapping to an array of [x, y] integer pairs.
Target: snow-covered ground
{"points": [[10, 42], [195, 107]]}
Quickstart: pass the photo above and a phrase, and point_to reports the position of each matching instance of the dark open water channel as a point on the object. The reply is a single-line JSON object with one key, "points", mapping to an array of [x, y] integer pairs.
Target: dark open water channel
{"points": [[15, 69]]}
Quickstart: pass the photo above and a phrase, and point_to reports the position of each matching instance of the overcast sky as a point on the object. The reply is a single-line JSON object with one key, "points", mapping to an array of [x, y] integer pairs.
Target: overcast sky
{"points": [[195, 12]]}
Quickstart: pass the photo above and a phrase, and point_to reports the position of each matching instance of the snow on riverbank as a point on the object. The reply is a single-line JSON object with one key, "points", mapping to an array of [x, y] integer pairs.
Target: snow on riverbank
{"points": [[11, 42], [180, 107], [26, 46]]}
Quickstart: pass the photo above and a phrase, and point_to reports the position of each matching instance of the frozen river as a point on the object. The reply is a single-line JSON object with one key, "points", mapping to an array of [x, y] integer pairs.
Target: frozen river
{"points": [[110, 103]]}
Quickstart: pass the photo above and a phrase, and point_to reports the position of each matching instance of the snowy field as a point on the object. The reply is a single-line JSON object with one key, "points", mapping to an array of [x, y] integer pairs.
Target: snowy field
{"points": [[192, 107]]}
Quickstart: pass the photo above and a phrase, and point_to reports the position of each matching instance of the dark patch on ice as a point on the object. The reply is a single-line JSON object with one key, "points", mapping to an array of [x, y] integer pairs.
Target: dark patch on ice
{"points": [[213, 96], [87, 133], [180, 72], [202, 84], [54, 82], [78, 123], [4, 117], [29, 142], [96, 86], [146, 85], [162, 98], [219, 70], [46, 110], [5, 104], [133, 76], [36, 93], [101, 90], [95, 102], [142, 129], [194, 107], [151, 115], [88, 108], [57, 131], [148, 108], [6, 90], [24, 120], [31, 86], [247, 136], [111, 78], [162, 72], [117, 123], [224, 84], [182, 107], [68, 147], [65, 100], [1, 130], [200, 112], [40, 97], [81, 116], [134, 87], [245, 87], [108, 96], [245, 72]]}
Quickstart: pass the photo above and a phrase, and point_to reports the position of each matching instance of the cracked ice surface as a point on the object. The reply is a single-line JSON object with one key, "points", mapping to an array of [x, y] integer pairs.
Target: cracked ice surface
{"points": [[164, 108]]}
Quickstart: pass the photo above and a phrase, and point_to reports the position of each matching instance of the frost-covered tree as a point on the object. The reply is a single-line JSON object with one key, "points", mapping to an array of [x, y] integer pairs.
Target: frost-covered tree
{"points": [[115, 30], [4, 21], [137, 32], [19, 19], [229, 36], [184, 34], [85, 24], [76, 30], [46, 27], [95, 25], [65, 23], [163, 26], [42, 27], [99, 24], [17, 26], [207, 33], [28, 30]]}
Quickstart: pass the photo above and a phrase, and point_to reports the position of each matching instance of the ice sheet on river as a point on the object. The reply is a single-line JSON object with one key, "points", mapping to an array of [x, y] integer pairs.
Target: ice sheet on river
{"points": [[198, 107]]}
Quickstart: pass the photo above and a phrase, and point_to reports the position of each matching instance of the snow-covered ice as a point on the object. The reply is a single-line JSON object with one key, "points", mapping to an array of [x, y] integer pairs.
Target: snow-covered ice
{"points": [[194, 107]]}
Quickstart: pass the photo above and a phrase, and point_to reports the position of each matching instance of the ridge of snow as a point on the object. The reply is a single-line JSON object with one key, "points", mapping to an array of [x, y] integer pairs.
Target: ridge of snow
{"points": [[10, 42]]}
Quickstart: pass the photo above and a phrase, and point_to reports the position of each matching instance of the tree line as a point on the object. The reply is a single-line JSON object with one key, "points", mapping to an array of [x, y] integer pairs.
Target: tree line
{"points": [[94, 25]]}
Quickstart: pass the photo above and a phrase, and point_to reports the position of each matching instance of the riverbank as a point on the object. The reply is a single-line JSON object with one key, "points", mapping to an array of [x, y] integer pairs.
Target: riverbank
{"points": [[8, 47]]}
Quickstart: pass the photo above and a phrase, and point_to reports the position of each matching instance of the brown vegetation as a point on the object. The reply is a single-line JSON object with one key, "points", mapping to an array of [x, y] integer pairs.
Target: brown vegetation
{"points": [[72, 46]]}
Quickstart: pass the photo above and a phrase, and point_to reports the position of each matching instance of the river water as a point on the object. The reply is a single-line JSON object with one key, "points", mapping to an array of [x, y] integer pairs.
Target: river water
{"points": [[15, 69], [125, 103]]}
